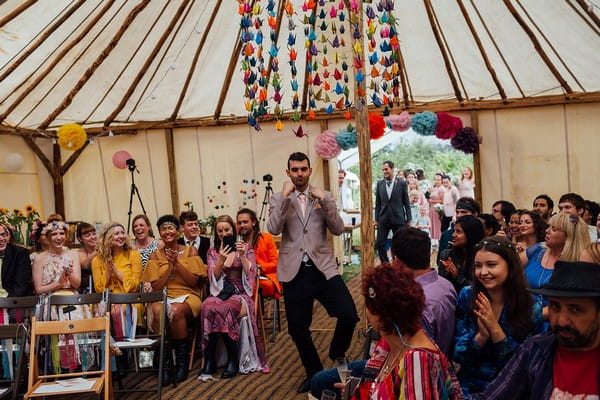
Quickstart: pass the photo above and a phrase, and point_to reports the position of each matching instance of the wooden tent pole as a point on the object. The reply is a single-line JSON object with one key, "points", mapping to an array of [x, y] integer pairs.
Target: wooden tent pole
{"points": [[477, 160], [172, 170], [361, 116], [15, 13], [57, 178]]}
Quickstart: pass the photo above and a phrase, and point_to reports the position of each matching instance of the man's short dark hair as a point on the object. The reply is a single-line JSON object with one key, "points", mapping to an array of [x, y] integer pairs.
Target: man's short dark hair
{"points": [[298, 156], [506, 209], [187, 216], [389, 163], [413, 247], [547, 198], [471, 204], [446, 177], [574, 199]]}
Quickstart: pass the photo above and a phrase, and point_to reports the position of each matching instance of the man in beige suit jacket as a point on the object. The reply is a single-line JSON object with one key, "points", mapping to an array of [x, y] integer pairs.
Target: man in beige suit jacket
{"points": [[307, 269]]}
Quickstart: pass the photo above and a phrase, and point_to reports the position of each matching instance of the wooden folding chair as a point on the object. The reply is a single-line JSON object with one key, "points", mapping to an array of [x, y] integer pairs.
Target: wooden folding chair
{"points": [[57, 384], [25, 304], [155, 340], [258, 310], [204, 286], [17, 332]]}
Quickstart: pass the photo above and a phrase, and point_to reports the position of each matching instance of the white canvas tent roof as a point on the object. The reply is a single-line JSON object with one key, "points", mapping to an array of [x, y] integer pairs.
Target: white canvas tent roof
{"points": [[141, 64]]}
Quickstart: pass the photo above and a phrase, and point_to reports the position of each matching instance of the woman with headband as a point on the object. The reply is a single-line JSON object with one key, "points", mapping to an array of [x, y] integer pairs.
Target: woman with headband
{"points": [[494, 315], [178, 268], [56, 270], [406, 363]]}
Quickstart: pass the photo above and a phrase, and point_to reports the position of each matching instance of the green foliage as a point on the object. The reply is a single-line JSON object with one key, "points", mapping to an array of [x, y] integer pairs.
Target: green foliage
{"points": [[431, 155]]}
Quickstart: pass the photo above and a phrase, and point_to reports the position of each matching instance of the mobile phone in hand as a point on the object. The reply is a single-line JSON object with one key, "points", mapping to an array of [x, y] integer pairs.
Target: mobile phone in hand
{"points": [[229, 241]]}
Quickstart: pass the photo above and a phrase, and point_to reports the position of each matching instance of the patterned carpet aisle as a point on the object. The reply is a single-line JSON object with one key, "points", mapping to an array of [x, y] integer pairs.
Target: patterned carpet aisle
{"points": [[286, 369]]}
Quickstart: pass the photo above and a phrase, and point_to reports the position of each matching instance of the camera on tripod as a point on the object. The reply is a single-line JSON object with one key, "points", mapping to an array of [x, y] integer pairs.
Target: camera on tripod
{"points": [[130, 164], [268, 178]]}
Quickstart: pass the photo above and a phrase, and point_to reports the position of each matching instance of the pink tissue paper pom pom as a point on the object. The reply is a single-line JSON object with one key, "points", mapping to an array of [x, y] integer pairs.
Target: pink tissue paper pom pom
{"points": [[399, 122], [326, 145], [447, 126]]}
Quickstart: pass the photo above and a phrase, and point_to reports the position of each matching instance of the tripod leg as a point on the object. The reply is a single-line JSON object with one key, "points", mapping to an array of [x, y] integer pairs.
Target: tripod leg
{"points": [[137, 192], [133, 189]]}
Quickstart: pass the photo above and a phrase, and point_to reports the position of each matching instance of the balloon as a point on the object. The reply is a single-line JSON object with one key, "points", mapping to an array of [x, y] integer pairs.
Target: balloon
{"points": [[120, 157], [13, 162]]}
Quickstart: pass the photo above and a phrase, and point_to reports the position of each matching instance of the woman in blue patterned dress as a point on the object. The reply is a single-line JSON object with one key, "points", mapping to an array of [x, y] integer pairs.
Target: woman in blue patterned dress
{"points": [[494, 315]]}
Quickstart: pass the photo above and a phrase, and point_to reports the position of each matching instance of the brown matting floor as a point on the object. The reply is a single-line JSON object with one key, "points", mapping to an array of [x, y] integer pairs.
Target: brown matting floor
{"points": [[286, 370]]}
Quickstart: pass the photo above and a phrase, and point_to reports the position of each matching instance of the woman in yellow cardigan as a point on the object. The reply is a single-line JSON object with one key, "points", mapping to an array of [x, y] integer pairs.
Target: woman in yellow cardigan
{"points": [[116, 266]]}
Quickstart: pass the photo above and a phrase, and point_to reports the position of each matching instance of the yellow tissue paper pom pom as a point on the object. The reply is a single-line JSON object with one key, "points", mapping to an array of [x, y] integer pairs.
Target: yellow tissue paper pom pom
{"points": [[71, 136]]}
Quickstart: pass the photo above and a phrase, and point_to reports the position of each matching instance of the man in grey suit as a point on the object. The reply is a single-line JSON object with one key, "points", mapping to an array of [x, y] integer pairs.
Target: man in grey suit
{"points": [[307, 269], [392, 207]]}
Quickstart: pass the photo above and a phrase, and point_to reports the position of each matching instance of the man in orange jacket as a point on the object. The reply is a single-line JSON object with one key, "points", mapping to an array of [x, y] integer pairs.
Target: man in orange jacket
{"points": [[265, 251]]}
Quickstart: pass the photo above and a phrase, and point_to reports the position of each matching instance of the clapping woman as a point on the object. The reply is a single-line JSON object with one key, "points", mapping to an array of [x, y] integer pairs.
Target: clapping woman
{"points": [[494, 315], [178, 268], [456, 262]]}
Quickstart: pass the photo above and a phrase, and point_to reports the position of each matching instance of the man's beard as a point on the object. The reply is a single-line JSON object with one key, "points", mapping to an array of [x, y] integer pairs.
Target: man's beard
{"points": [[578, 340]]}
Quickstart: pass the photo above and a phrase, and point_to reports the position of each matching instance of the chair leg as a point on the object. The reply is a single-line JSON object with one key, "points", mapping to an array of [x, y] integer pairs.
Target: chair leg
{"points": [[276, 322]]}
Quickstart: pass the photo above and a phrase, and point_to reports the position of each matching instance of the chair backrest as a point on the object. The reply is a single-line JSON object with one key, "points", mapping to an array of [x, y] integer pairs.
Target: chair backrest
{"points": [[43, 328], [73, 300], [135, 298], [18, 302], [16, 332]]}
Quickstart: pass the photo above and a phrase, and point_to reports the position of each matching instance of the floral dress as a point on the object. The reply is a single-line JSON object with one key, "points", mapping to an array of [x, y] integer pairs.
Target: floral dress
{"points": [[222, 316]]}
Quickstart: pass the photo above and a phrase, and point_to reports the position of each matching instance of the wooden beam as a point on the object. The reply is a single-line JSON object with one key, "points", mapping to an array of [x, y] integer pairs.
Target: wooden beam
{"points": [[40, 154], [57, 178], [477, 160], [96, 64], [41, 39], [192, 68], [15, 13], [586, 7], [538, 46], [484, 55], [361, 116], [443, 50], [65, 167], [130, 128], [144, 68], [59, 58], [324, 125], [172, 170]]}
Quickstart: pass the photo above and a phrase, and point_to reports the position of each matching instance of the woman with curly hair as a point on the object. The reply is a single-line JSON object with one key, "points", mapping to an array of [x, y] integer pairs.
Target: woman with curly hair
{"points": [[533, 230], [116, 266], [406, 363], [494, 315]]}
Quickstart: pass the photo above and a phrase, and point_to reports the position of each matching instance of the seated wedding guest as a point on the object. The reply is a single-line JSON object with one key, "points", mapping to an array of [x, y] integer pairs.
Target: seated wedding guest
{"points": [[86, 234], [144, 241], [232, 274], [502, 210], [490, 225], [178, 268], [590, 214], [15, 266], [465, 206], [456, 262], [572, 203], [591, 253], [54, 218], [406, 363], [533, 230], [493, 316], [543, 205], [565, 239], [265, 251], [56, 270], [191, 234], [40, 242], [117, 266], [563, 364], [410, 250]]}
